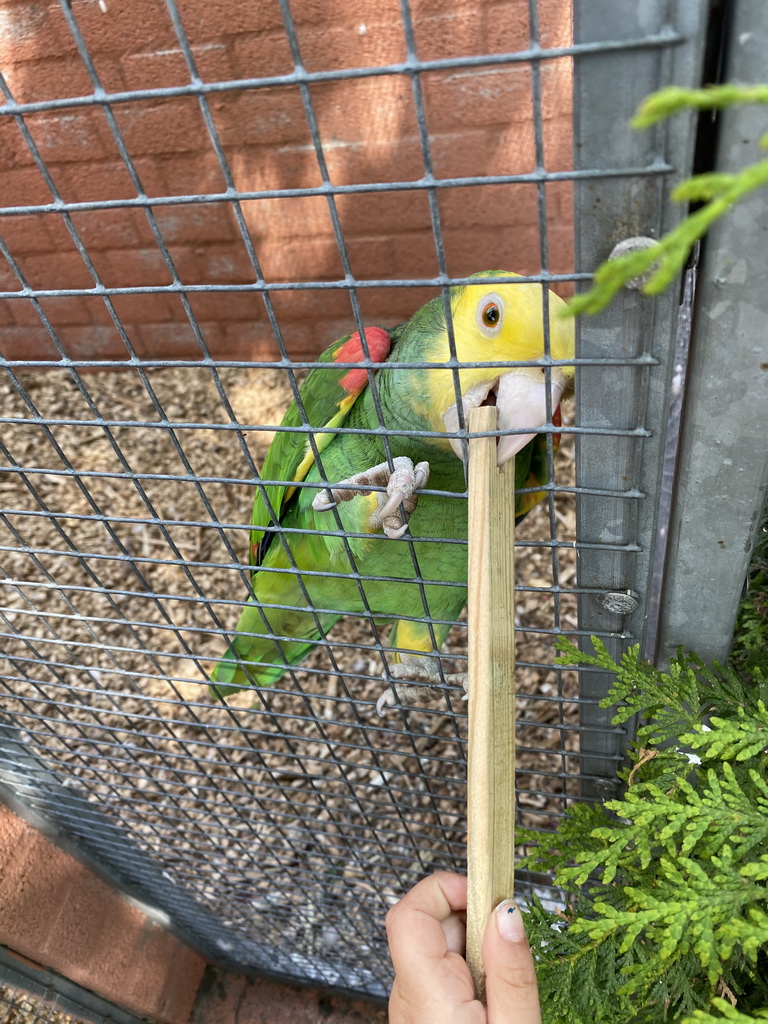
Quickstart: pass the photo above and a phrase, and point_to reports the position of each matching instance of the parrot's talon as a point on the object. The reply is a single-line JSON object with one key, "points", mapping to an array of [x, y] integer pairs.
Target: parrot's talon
{"points": [[395, 534], [386, 700], [323, 502], [401, 483]]}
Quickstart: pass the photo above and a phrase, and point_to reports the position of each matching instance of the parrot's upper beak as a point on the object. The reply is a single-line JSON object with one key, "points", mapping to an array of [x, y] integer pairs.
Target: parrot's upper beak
{"points": [[520, 397]]}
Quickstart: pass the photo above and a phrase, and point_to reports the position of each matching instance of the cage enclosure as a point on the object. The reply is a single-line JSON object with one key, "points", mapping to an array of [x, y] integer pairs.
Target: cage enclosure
{"points": [[197, 200]]}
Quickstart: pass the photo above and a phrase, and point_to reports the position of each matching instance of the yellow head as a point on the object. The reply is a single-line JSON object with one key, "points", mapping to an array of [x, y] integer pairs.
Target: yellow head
{"points": [[497, 324]]}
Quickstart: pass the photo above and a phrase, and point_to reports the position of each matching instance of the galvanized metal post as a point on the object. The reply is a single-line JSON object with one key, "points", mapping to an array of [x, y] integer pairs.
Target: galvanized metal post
{"points": [[624, 400], [723, 472]]}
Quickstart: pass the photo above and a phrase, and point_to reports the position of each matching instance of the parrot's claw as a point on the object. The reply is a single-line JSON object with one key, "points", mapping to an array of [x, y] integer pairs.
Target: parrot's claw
{"points": [[421, 683], [401, 483]]}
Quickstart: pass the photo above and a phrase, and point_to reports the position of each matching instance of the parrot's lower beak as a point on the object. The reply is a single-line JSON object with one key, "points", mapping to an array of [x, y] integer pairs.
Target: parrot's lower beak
{"points": [[520, 397]]}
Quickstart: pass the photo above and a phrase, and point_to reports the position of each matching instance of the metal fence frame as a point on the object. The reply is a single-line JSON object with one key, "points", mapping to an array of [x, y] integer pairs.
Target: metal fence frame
{"points": [[628, 358]]}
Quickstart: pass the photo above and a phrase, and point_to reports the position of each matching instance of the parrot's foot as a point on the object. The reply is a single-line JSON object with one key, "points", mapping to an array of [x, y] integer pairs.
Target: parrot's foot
{"points": [[421, 683], [401, 484]]}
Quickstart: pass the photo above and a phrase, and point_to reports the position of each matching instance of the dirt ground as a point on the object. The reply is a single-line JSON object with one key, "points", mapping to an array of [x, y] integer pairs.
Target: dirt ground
{"points": [[119, 549]]}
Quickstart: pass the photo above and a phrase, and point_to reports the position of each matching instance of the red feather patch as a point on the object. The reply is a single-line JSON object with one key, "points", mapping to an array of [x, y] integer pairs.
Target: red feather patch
{"points": [[378, 343]]}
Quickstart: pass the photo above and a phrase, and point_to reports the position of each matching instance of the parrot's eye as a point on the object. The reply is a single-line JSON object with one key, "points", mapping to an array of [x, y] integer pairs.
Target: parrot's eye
{"points": [[490, 312], [491, 315]]}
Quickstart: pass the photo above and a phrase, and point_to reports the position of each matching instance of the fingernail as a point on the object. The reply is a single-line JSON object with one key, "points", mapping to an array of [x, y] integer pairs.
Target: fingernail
{"points": [[509, 921]]}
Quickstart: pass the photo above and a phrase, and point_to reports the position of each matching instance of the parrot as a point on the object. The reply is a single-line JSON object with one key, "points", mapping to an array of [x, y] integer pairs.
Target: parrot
{"points": [[376, 493]]}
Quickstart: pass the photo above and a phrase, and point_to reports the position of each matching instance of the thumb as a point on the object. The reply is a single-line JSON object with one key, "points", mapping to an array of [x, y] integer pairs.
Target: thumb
{"points": [[510, 976]]}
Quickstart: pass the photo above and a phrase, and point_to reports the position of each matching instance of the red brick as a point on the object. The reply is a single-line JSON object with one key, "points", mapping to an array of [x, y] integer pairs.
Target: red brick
{"points": [[263, 117], [561, 248], [89, 182], [14, 151], [177, 340], [559, 199], [225, 306], [72, 135], [303, 259], [518, 251], [162, 126], [473, 29], [63, 917], [183, 174], [137, 27], [421, 8], [94, 342], [365, 109], [107, 229], [65, 310], [313, 305], [255, 341], [307, 11], [208, 21], [24, 314], [8, 280], [24, 187], [379, 158], [92, 310], [556, 88], [493, 151], [558, 144], [158, 70], [197, 223], [257, 168], [109, 70], [555, 23], [55, 270], [26, 234], [151, 173], [490, 209], [385, 212], [212, 264], [371, 257], [477, 96], [52, 78], [353, 45], [33, 30], [262, 54], [26, 343], [6, 317], [131, 268], [387, 307], [232, 999], [300, 338], [142, 309], [415, 256]]}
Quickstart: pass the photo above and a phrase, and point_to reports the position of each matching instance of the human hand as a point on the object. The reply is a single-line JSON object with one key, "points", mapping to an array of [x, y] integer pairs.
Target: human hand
{"points": [[433, 985]]}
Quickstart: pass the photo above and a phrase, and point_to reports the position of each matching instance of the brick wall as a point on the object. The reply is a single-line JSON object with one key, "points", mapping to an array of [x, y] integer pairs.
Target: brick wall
{"points": [[58, 915], [479, 121]]}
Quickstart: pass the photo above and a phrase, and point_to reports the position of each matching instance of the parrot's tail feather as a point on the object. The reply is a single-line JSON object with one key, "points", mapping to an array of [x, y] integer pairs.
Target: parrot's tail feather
{"points": [[238, 670], [251, 661]]}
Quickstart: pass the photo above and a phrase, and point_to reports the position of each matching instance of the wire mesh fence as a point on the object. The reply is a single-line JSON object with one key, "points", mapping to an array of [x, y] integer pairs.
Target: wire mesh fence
{"points": [[274, 829]]}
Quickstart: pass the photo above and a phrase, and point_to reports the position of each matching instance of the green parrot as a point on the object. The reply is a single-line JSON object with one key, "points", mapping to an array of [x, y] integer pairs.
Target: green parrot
{"points": [[491, 323]]}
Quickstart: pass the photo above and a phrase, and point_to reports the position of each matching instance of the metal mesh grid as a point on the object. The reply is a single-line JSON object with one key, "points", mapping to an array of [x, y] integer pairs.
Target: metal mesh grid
{"points": [[295, 822]]}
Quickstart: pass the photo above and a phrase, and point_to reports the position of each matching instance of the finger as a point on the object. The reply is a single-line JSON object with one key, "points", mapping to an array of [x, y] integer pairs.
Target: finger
{"points": [[510, 975], [416, 926]]}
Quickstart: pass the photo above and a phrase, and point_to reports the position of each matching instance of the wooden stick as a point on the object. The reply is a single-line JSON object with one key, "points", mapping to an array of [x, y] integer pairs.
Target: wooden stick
{"points": [[491, 769]]}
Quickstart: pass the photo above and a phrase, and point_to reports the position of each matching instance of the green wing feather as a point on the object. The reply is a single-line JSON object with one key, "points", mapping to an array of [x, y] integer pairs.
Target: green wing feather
{"points": [[327, 395]]}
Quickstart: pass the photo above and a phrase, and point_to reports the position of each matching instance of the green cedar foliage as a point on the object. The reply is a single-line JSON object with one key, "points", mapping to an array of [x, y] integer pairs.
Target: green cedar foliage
{"points": [[750, 640], [666, 889]]}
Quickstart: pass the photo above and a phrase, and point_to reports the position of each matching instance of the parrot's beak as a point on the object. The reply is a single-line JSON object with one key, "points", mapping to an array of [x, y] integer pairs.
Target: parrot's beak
{"points": [[520, 397]]}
